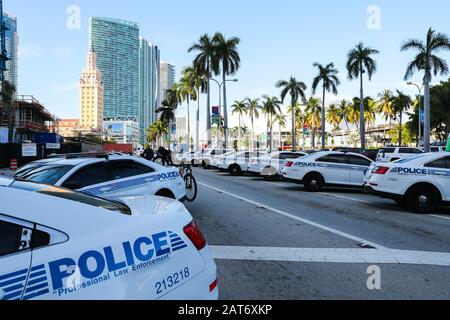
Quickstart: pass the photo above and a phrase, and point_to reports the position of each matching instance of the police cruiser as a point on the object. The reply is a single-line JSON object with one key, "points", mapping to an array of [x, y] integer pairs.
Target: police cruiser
{"points": [[106, 175], [236, 163], [59, 244], [328, 168], [421, 182], [271, 165], [207, 156]]}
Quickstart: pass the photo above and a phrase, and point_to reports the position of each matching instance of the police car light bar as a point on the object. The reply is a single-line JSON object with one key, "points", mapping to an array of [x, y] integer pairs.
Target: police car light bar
{"points": [[380, 170]]}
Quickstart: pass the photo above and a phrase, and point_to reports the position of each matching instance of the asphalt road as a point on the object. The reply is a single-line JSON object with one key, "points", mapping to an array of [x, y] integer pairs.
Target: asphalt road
{"points": [[273, 240]]}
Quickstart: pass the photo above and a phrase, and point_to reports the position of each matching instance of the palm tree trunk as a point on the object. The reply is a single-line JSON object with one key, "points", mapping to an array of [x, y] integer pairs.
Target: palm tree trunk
{"points": [[362, 124], [323, 120], [313, 128], [188, 125], [253, 134], [271, 132], [294, 131], [197, 123], [225, 109], [279, 137], [239, 132], [427, 129], [400, 130], [208, 109]]}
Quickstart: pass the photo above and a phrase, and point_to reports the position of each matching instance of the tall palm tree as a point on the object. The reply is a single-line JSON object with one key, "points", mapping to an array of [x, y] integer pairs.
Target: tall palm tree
{"points": [[385, 107], [280, 119], [239, 108], [328, 77], [300, 120], [167, 116], [359, 62], [314, 111], [205, 64], [253, 108], [402, 102], [271, 107], [227, 57], [201, 85], [427, 60], [334, 116], [7, 95], [296, 89], [344, 109], [186, 92]]}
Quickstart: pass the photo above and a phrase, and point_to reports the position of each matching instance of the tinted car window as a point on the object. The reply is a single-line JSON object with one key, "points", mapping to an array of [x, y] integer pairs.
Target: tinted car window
{"points": [[126, 169], [387, 150], [88, 176], [358, 161], [48, 174], [442, 163], [10, 235], [334, 158], [72, 196], [410, 150]]}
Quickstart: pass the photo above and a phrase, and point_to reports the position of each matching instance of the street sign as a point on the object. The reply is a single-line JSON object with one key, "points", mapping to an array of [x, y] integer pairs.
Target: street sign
{"points": [[422, 116]]}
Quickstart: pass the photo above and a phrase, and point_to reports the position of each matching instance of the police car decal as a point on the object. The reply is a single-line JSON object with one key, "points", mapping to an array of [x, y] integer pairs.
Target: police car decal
{"points": [[69, 275], [132, 183], [421, 171]]}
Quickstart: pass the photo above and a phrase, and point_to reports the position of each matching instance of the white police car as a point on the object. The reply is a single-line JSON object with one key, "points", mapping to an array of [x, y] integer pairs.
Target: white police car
{"points": [[106, 175], [328, 168], [208, 157], [59, 244], [236, 163], [271, 165], [421, 182]]}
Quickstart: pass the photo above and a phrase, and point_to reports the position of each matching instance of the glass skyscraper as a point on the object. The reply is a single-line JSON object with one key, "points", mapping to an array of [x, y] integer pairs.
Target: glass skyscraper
{"points": [[116, 43], [12, 42], [149, 85]]}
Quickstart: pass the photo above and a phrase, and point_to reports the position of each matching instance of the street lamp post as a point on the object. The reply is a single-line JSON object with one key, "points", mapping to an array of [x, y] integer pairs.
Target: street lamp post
{"points": [[219, 127], [420, 108]]}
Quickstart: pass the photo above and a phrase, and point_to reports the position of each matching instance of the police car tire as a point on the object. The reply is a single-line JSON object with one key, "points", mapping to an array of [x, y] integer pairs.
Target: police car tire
{"points": [[235, 170], [413, 199], [309, 182]]}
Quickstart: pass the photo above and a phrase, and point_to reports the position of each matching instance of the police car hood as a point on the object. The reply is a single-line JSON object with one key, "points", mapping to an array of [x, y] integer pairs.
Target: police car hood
{"points": [[146, 205], [5, 182]]}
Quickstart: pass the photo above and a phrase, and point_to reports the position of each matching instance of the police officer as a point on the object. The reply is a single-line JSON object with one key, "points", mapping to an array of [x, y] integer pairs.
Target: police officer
{"points": [[148, 154]]}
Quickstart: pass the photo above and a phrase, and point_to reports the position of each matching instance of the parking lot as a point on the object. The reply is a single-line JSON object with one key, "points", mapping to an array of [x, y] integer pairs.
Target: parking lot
{"points": [[274, 240]]}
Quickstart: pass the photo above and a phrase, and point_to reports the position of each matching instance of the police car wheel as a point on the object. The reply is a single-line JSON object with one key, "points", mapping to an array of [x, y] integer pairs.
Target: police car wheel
{"points": [[314, 182], [422, 199], [235, 170]]}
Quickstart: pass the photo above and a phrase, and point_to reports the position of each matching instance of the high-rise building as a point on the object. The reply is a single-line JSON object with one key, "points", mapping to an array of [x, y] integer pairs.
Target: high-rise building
{"points": [[149, 85], [167, 77], [11, 46], [116, 43], [91, 95]]}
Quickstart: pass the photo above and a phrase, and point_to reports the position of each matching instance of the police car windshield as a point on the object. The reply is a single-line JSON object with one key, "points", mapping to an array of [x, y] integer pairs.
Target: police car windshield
{"points": [[48, 174], [409, 159], [72, 196]]}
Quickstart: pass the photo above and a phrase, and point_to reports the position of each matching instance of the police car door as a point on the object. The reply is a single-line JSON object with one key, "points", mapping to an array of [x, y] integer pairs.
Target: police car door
{"points": [[334, 169], [359, 167], [440, 169], [15, 257], [133, 178]]}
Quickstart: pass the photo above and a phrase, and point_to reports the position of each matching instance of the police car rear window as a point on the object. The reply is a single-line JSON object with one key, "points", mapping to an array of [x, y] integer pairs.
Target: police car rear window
{"points": [[72, 196], [409, 159], [49, 174]]}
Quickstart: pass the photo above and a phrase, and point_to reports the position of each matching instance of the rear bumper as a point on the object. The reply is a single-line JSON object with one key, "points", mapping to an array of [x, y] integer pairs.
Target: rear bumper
{"points": [[385, 195]]}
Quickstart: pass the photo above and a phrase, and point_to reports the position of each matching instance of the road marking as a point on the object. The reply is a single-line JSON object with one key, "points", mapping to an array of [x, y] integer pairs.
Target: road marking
{"points": [[347, 198], [360, 256], [436, 216], [291, 216]]}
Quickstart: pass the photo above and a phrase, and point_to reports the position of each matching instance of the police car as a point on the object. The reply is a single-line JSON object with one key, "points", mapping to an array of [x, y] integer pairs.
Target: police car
{"points": [[106, 175], [391, 154], [236, 163], [206, 159], [60, 244], [328, 168], [271, 165], [421, 182]]}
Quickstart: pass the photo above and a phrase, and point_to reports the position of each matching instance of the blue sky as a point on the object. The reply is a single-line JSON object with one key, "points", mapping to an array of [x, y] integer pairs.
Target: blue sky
{"points": [[279, 39]]}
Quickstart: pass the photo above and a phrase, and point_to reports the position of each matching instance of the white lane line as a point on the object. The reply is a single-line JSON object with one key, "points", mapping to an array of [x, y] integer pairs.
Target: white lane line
{"points": [[291, 216], [360, 256], [347, 198], [436, 216]]}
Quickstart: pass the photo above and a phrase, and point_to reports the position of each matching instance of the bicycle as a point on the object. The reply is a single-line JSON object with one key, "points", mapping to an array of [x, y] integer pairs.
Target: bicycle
{"points": [[191, 184]]}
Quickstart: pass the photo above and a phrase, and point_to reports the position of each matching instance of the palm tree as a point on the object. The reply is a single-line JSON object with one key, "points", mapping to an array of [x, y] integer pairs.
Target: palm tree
{"points": [[186, 90], [227, 55], [328, 77], [8, 92], [239, 108], [271, 107], [426, 60], [280, 119], [385, 108], [253, 108], [296, 89], [334, 116], [167, 116], [155, 131], [205, 64], [402, 102], [300, 120], [314, 111], [201, 86], [344, 109], [360, 61]]}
